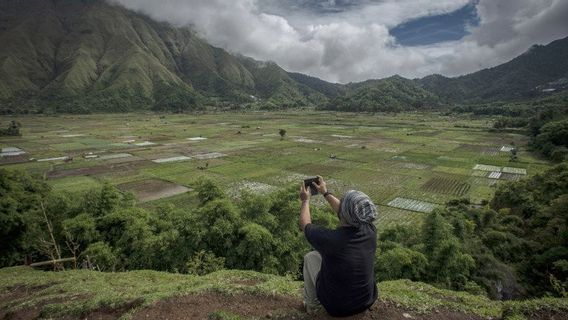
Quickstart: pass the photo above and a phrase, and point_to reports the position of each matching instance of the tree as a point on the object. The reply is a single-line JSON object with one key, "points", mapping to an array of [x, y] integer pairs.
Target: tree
{"points": [[12, 130], [255, 248], [20, 214], [208, 191], [400, 263], [282, 133], [514, 157], [551, 137]]}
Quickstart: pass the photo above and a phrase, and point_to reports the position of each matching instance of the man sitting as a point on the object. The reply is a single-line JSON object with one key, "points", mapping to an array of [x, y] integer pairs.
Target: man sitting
{"points": [[339, 274]]}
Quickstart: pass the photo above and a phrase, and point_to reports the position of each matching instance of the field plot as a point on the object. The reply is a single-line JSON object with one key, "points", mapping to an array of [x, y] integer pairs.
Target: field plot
{"points": [[494, 175], [171, 159], [411, 165], [152, 189], [389, 217], [482, 181], [412, 205], [421, 159], [11, 152], [446, 186], [96, 170], [237, 188], [514, 170], [114, 156], [484, 167], [511, 177], [212, 155]]}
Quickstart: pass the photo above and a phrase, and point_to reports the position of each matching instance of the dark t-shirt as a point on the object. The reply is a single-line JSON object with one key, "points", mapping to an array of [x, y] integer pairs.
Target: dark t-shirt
{"points": [[346, 282]]}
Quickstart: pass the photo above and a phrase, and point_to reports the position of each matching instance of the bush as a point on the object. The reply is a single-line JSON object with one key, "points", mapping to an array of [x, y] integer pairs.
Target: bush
{"points": [[204, 262], [101, 255]]}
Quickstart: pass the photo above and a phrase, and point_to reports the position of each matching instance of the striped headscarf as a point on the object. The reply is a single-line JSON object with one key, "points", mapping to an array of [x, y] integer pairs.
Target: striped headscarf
{"points": [[357, 208]]}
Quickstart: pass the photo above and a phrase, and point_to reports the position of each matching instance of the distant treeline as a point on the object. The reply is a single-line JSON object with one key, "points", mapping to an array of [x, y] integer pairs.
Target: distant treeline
{"points": [[516, 246]]}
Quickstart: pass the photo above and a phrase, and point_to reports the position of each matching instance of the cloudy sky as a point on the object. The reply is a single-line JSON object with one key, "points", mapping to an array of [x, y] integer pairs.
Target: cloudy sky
{"points": [[354, 40]]}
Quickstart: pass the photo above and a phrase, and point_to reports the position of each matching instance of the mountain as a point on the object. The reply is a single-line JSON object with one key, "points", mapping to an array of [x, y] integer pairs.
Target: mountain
{"points": [[540, 70], [88, 55], [330, 90], [390, 94]]}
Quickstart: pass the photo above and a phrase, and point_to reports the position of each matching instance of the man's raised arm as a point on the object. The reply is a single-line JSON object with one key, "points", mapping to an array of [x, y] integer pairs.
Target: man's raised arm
{"points": [[305, 216]]}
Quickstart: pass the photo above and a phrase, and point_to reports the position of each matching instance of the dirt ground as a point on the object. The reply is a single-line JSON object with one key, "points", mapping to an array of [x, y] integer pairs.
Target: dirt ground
{"points": [[214, 305], [14, 159], [152, 189], [204, 306]]}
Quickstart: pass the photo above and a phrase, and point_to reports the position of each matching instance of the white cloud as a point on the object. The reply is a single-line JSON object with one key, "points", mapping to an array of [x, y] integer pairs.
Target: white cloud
{"points": [[354, 44]]}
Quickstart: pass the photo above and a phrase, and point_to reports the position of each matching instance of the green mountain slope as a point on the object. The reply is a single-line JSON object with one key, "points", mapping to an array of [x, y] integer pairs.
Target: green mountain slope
{"points": [[391, 94], [77, 55], [230, 294], [274, 84], [540, 70]]}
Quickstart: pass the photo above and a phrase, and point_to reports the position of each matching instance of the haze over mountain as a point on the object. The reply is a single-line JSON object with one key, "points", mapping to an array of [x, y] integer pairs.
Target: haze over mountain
{"points": [[81, 56]]}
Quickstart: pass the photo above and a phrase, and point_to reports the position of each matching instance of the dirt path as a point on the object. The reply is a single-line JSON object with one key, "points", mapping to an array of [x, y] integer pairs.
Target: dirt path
{"points": [[219, 306], [214, 306]]}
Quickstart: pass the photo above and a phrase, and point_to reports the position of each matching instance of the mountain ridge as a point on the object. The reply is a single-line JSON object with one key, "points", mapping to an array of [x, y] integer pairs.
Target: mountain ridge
{"points": [[89, 55]]}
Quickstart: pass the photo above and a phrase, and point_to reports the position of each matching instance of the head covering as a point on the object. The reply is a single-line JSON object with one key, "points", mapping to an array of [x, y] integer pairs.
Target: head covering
{"points": [[356, 208]]}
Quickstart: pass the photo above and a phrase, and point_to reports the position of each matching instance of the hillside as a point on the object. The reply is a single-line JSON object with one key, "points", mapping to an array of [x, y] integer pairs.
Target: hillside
{"points": [[540, 70], [229, 294], [391, 94], [87, 55]]}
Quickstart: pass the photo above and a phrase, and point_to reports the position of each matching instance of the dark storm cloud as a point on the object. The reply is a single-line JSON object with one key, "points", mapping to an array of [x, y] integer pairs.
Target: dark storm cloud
{"points": [[350, 40], [313, 6]]}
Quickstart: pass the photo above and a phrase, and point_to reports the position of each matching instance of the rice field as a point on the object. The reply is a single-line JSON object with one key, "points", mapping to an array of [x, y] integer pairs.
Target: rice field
{"points": [[407, 163], [447, 186]]}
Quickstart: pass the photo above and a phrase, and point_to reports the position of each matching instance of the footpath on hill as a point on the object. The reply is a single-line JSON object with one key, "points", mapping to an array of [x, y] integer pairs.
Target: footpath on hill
{"points": [[230, 294]]}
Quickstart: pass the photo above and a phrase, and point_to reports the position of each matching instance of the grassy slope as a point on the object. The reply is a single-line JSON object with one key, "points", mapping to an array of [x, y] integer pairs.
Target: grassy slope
{"points": [[79, 292]]}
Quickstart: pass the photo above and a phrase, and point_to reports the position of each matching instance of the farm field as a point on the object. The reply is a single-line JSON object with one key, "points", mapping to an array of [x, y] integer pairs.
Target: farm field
{"points": [[407, 163]]}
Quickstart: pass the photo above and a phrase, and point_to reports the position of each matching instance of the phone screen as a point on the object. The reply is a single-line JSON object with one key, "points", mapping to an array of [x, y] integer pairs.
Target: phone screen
{"points": [[308, 184]]}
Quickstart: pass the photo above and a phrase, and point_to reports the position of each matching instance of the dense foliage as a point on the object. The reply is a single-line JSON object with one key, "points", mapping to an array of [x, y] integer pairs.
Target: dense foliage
{"points": [[108, 229], [516, 246], [552, 140]]}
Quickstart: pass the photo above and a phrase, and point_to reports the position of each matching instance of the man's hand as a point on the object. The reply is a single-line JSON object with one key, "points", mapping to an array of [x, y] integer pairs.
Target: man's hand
{"points": [[321, 186], [305, 217], [304, 193]]}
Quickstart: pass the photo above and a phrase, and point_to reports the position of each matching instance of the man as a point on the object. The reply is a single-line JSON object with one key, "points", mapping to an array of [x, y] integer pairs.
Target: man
{"points": [[339, 273]]}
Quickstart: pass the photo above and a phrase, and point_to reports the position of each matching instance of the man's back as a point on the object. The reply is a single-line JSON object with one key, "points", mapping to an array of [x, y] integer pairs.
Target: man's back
{"points": [[346, 283]]}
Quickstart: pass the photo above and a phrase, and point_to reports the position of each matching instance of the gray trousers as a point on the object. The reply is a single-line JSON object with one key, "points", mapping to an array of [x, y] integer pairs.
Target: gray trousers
{"points": [[312, 267]]}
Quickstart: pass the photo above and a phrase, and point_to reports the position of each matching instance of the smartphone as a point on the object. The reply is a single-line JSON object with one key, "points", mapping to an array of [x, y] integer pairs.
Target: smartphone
{"points": [[308, 184]]}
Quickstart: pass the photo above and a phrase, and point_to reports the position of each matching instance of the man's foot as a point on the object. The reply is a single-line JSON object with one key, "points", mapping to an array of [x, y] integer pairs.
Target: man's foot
{"points": [[311, 310]]}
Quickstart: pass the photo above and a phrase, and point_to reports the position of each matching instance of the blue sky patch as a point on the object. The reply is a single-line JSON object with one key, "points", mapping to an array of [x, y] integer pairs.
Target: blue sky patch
{"points": [[436, 29]]}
